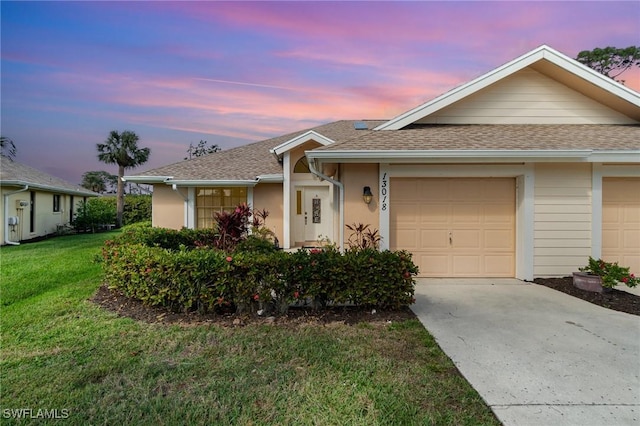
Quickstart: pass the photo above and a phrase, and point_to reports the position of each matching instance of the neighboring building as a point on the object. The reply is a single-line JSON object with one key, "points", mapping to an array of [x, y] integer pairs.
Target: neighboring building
{"points": [[523, 172], [35, 204]]}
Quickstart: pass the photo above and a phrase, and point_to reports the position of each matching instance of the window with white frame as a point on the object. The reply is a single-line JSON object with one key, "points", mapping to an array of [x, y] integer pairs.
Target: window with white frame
{"points": [[216, 200]]}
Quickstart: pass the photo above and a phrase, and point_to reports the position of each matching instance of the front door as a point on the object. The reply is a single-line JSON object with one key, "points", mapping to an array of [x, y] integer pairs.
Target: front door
{"points": [[315, 217]]}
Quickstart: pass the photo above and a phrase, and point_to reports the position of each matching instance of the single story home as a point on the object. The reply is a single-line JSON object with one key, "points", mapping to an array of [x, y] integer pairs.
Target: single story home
{"points": [[523, 172], [35, 204]]}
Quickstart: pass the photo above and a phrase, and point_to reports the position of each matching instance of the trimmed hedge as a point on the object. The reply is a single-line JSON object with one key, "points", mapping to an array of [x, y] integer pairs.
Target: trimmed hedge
{"points": [[175, 269], [144, 233]]}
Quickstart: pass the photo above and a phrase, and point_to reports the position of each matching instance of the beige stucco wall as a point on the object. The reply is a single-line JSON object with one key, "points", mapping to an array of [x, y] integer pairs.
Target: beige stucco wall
{"points": [[46, 221], [168, 207], [562, 227], [296, 154], [355, 177], [268, 196]]}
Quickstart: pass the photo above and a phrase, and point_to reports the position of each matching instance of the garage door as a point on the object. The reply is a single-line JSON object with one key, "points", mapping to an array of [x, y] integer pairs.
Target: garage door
{"points": [[455, 227], [621, 221]]}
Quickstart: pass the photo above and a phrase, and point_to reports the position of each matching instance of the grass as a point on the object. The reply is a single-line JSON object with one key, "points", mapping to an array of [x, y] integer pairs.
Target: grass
{"points": [[61, 352]]}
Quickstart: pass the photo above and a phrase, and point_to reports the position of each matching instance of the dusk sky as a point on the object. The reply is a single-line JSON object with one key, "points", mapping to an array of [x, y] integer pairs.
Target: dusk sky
{"points": [[237, 72]]}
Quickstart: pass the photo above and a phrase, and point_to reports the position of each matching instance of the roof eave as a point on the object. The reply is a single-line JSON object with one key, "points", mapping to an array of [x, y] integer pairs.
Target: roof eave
{"points": [[271, 178], [146, 179], [212, 182], [466, 156], [311, 135], [48, 188]]}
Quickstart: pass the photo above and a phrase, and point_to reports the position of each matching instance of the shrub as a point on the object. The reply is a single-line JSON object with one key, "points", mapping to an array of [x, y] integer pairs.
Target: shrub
{"points": [[179, 280], [384, 279], [362, 237], [233, 227], [102, 211], [320, 275], [231, 270], [256, 244], [137, 208], [171, 239], [611, 273], [174, 269], [94, 212]]}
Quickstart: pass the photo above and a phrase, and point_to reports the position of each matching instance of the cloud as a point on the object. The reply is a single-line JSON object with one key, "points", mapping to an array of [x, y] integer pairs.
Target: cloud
{"points": [[242, 83], [233, 72]]}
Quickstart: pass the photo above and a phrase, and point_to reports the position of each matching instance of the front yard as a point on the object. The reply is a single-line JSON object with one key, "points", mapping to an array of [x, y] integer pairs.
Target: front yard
{"points": [[67, 357]]}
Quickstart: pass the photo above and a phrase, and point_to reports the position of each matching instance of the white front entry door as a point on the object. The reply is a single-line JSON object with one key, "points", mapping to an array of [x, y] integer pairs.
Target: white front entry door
{"points": [[316, 216]]}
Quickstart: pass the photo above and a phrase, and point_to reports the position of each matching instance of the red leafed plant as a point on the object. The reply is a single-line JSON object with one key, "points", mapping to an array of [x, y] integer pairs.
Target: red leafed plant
{"points": [[611, 273], [362, 237], [233, 226]]}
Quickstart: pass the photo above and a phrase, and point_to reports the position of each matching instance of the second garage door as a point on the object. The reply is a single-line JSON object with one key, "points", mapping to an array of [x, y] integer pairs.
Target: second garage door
{"points": [[455, 227], [621, 222]]}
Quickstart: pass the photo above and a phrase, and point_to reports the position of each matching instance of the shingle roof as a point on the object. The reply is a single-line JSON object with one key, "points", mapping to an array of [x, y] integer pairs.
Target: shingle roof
{"points": [[495, 137], [18, 174], [249, 161]]}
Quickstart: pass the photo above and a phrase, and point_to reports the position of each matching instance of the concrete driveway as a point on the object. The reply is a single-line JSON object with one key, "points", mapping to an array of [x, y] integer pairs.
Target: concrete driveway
{"points": [[535, 355]]}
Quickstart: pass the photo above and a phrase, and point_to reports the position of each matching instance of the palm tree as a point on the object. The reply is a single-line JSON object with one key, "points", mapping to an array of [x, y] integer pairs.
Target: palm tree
{"points": [[7, 148], [122, 149]]}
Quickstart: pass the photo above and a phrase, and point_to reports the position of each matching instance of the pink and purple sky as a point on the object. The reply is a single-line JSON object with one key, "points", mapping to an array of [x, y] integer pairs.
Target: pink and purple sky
{"points": [[237, 72]]}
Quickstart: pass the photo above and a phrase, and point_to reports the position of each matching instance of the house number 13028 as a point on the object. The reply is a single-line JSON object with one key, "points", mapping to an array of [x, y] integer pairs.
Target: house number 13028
{"points": [[383, 192]]}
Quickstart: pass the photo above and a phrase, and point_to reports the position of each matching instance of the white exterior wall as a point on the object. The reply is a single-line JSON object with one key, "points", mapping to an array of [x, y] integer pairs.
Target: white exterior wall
{"points": [[527, 97], [562, 218], [46, 221], [293, 224]]}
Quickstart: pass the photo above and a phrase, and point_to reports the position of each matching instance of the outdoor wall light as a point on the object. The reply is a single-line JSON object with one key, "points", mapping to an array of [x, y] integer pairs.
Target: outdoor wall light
{"points": [[367, 196]]}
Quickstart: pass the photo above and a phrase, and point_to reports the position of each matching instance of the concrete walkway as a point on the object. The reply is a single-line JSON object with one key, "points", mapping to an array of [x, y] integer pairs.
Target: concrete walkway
{"points": [[535, 355]]}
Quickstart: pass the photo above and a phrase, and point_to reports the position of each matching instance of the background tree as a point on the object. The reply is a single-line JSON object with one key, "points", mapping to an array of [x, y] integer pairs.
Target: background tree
{"points": [[201, 149], [94, 213], [122, 149], [611, 61], [7, 148], [138, 188], [99, 181]]}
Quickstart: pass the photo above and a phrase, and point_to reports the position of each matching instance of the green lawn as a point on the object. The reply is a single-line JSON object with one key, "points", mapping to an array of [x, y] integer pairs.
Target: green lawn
{"points": [[61, 352]]}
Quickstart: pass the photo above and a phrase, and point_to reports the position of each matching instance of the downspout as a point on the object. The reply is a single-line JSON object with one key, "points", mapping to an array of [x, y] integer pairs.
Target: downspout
{"points": [[6, 215], [340, 186], [278, 159], [186, 200]]}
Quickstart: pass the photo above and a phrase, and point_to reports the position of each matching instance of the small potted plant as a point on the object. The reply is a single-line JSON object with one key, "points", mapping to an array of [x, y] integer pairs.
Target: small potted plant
{"points": [[599, 275]]}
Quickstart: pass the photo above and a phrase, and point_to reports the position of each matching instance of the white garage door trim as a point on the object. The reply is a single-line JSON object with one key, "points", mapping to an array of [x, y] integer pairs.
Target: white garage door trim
{"points": [[524, 175]]}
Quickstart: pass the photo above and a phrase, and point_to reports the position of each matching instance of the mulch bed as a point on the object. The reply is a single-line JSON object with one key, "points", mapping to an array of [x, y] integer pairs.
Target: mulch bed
{"points": [[115, 301], [616, 300]]}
